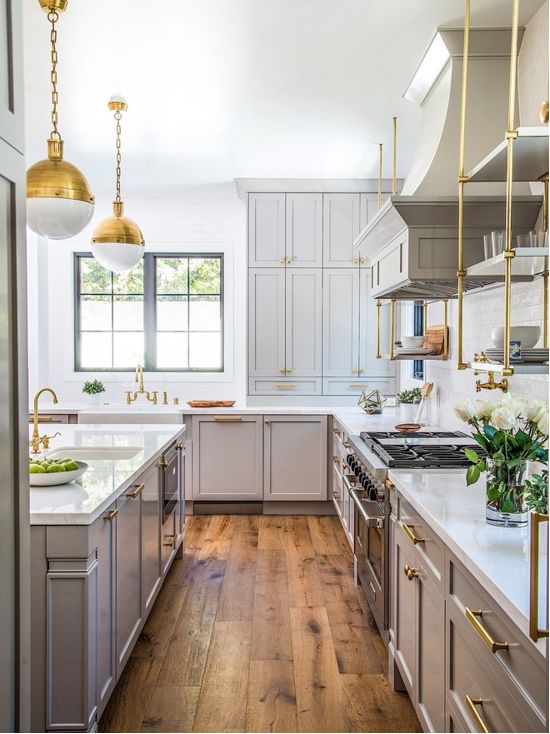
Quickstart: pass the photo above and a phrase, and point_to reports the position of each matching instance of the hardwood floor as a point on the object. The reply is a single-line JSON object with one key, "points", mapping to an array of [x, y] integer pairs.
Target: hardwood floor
{"points": [[259, 628]]}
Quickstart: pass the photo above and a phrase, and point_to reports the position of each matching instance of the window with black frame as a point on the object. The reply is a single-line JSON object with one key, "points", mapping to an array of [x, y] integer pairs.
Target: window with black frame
{"points": [[166, 314], [418, 326]]}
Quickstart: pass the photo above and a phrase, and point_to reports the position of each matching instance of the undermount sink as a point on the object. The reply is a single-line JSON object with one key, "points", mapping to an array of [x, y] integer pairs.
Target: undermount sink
{"points": [[96, 453]]}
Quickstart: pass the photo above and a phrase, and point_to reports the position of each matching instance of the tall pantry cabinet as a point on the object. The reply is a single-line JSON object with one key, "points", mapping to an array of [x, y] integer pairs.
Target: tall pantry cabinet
{"points": [[311, 319]]}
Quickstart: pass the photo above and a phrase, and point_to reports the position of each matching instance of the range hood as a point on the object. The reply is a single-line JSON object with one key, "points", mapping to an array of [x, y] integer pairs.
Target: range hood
{"points": [[412, 241]]}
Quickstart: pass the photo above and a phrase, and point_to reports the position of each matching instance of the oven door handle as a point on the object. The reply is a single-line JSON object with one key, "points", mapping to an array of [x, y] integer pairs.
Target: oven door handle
{"points": [[371, 522]]}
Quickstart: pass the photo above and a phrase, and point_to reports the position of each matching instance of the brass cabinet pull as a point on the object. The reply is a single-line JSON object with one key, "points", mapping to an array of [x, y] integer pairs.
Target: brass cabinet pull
{"points": [[162, 464], [137, 490], [285, 386], [111, 515], [388, 485], [228, 418], [353, 386], [408, 530], [473, 703], [410, 572], [267, 422], [336, 496], [493, 646], [282, 260], [179, 446], [336, 432], [336, 459], [171, 543], [535, 633]]}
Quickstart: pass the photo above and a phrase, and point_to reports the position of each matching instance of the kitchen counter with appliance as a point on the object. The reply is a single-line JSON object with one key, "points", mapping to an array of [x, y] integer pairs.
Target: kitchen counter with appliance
{"points": [[115, 454], [497, 557]]}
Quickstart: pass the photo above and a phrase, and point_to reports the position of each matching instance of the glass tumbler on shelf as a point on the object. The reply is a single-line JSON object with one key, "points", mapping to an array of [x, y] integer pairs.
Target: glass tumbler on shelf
{"points": [[487, 246], [538, 239], [498, 239], [523, 240]]}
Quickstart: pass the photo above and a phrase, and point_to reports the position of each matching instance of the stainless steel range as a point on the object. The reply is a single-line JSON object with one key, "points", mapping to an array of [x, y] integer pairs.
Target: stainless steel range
{"points": [[366, 481]]}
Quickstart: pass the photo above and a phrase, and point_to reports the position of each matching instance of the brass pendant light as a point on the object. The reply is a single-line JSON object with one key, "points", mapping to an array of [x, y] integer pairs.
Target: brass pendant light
{"points": [[59, 200], [117, 242]]}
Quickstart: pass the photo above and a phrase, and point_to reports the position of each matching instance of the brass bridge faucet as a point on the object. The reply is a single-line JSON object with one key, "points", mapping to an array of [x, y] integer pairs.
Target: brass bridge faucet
{"points": [[132, 396], [37, 439]]}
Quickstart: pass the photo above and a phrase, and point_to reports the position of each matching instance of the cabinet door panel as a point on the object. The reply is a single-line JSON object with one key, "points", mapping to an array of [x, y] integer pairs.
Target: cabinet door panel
{"points": [[371, 366], [341, 217], [266, 229], [304, 230], [11, 74], [404, 611], [150, 535], [266, 333], [104, 538], [227, 458], [430, 653], [295, 458], [128, 576], [341, 322], [304, 295]]}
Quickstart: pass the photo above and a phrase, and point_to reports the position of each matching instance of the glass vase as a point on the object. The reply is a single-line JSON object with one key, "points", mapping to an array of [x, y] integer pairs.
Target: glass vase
{"points": [[505, 495]]}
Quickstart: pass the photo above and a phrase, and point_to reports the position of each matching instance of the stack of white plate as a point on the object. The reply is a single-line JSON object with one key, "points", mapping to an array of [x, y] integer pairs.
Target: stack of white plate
{"points": [[533, 356]]}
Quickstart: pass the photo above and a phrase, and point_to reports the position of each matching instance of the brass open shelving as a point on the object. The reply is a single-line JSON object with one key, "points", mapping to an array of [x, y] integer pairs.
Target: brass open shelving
{"points": [[392, 356], [522, 156]]}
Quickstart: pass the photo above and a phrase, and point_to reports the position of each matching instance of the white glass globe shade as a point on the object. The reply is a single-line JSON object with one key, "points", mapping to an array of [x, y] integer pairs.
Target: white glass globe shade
{"points": [[57, 218], [117, 256]]}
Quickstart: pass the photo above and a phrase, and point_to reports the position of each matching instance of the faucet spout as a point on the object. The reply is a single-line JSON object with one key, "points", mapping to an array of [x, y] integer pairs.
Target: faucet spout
{"points": [[35, 442], [139, 378]]}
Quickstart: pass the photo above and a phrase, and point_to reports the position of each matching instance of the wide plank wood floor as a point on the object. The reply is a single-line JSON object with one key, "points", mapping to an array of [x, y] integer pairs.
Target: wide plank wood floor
{"points": [[259, 628]]}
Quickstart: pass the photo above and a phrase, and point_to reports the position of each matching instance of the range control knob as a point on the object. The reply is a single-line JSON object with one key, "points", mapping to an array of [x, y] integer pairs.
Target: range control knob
{"points": [[349, 459], [357, 469]]}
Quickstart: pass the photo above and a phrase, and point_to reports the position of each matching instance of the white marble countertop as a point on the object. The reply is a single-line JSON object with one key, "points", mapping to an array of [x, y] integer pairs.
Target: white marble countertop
{"points": [[82, 502], [497, 557]]}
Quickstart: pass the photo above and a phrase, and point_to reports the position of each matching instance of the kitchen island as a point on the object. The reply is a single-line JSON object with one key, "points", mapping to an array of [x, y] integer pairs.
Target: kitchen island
{"points": [[100, 551]]}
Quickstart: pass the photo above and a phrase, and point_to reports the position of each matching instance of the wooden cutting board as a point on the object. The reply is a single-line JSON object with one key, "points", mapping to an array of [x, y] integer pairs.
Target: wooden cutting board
{"points": [[435, 338], [210, 403]]}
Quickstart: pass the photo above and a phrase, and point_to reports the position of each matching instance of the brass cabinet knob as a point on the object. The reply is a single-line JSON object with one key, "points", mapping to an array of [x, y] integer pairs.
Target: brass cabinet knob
{"points": [[410, 572]]}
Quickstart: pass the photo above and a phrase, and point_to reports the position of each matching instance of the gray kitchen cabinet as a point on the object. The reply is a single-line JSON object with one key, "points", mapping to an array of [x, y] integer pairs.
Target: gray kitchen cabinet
{"points": [[404, 610], [285, 329], [337, 488], [341, 222], [129, 573], [150, 536], [341, 322], [304, 230], [303, 322], [295, 457], [266, 230], [284, 386], [368, 363], [103, 534], [418, 631], [227, 457], [267, 322]]}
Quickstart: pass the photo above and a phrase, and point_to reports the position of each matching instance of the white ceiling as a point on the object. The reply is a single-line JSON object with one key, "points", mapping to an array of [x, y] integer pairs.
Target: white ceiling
{"points": [[226, 88]]}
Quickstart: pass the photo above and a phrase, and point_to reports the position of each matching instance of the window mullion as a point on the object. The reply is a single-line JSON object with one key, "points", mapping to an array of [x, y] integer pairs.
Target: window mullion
{"points": [[149, 303]]}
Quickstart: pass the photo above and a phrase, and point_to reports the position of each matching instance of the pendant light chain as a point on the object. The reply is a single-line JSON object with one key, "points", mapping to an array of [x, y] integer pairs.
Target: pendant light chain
{"points": [[53, 17], [118, 117]]}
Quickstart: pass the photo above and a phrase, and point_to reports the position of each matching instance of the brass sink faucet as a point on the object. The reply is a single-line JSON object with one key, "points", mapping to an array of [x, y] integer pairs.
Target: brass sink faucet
{"points": [[37, 439], [132, 396]]}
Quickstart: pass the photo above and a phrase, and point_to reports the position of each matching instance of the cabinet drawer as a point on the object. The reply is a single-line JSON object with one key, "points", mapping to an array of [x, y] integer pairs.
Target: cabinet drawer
{"points": [[337, 490], [522, 665], [430, 549], [284, 386], [475, 688], [340, 443], [355, 386]]}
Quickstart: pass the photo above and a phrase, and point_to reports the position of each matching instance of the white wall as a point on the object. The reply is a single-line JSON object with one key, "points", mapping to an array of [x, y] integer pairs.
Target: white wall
{"points": [[201, 219]]}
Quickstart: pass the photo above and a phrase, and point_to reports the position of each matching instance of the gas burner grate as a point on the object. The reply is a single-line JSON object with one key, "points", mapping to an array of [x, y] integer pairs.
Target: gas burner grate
{"points": [[409, 453]]}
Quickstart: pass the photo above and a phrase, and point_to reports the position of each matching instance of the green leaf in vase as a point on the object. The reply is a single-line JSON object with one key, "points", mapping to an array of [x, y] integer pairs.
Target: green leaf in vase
{"points": [[472, 456], [472, 475]]}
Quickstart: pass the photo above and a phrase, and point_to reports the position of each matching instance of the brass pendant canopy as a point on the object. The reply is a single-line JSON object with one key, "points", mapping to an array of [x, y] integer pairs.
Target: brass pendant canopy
{"points": [[118, 229]]}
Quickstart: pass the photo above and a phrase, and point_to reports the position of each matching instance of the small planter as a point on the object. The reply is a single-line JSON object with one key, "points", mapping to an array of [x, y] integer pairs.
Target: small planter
{"points": [[506, 506], [407, 411], [94, 400]]}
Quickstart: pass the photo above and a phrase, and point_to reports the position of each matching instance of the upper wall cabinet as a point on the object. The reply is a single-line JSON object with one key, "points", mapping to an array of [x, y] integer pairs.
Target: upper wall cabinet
{"points": [[11, 74], [266, 322], [304, 230], [341, 225], [266, 230], [304, 329]]}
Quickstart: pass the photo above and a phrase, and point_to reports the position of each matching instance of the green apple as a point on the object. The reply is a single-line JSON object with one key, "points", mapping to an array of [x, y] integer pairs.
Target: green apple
{"points": [[53, 468], [36, 469], [70, 465]]}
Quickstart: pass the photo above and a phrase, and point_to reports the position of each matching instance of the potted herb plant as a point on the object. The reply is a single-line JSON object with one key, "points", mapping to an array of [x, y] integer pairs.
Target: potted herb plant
{"points": [[93, 389], [407, 402], [512, 435]]}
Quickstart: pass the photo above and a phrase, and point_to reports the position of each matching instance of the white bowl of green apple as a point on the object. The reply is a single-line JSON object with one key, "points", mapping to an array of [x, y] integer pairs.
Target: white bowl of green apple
{"points": [[49, 472]]}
